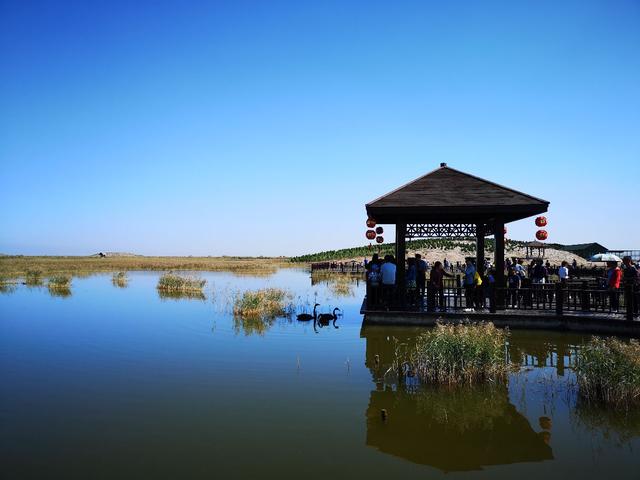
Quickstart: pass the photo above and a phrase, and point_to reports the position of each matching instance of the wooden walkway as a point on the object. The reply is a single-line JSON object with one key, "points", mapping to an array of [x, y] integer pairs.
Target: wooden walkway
{"points": [[596, 323]]}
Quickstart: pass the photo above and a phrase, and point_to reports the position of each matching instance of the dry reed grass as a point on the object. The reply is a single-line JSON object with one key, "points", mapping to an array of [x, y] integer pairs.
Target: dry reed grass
{"points": [[59, 285], [267, 303], [33, 277], [456, 354], [608, 371], [171, 282], [120, 279], [18, 266]]}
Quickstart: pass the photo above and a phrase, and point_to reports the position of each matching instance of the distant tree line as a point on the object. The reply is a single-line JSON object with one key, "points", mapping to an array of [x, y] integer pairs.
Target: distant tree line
{"points": [[465, 245]]}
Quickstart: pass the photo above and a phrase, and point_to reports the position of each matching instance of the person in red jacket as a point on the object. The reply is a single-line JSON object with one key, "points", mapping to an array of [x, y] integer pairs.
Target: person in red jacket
{"points": [[614, 275]]}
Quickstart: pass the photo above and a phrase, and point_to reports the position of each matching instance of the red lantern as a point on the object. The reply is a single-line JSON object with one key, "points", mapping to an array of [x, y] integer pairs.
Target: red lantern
{"points": [[371, 223], [379, 230], [371, 234], [542, 234], [379, 239], [541, 221]]}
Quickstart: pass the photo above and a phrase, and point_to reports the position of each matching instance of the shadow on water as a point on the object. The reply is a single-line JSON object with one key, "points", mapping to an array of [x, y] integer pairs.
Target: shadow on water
{"points": [[449, 428], [454, 429], [468, 428], [180, 295]]}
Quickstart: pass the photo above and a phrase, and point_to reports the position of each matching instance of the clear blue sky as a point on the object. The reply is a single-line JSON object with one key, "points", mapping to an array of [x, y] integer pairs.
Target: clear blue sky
{"points": [[249, 128]]}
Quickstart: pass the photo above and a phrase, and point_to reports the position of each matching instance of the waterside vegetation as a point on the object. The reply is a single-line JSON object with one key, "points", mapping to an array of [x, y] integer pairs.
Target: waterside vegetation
{"points": [[266, 303], [466, 353], [174, 283], [33, 277], [120, 279], [18, 266], [59, 285], [608, 371]]}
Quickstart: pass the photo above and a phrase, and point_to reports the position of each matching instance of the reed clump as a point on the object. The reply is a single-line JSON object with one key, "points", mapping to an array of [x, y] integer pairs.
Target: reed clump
{"points": [[608, 371], [266, 303], [457, 354], [7, 284], [171, 282], [59, 281], [33, 277], [120, 279], [59, 285]]}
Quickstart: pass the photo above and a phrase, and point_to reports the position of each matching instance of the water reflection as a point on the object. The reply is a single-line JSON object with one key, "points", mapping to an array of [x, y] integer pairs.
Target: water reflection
{"points": [[62, 292], [453, 429], [178, 295], [339, 284], [7, 287], [607, 425]]}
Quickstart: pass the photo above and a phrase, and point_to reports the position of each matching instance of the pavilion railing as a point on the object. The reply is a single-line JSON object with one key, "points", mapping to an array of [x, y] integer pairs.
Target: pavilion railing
{"points": [[558, 298]]}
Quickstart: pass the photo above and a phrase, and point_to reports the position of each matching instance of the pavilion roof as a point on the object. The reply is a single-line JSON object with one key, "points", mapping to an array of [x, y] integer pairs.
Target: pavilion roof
{"points": [[447, 195]]}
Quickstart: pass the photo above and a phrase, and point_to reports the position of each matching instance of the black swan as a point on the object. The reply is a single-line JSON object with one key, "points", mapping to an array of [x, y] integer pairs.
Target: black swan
{"points": [[303, 317], [327, 317]]}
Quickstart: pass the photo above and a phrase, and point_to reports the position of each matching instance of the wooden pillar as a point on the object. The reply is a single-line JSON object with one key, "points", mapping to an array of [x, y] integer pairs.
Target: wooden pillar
{"points": [[498, 229], [480, 231], [401, 253]]}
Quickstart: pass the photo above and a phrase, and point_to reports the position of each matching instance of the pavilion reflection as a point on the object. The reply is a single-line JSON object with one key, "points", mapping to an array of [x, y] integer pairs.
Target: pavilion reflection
{"points": [[452, 429], [545, 349]]}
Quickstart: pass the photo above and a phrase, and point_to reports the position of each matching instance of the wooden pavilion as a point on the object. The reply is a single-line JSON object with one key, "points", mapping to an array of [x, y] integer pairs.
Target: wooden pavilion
{"points": [[537, 247], [448, 203]]}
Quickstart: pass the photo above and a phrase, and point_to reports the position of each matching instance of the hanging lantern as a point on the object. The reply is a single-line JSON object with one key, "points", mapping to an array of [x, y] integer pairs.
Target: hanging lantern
{"points": [[371, 234], [379, 230], [371, 223], [541, 221], [379, 239], [542, 235]]}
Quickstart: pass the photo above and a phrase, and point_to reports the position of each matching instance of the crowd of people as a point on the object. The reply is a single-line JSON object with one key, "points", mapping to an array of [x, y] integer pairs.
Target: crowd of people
{"points": [[479, 283]]}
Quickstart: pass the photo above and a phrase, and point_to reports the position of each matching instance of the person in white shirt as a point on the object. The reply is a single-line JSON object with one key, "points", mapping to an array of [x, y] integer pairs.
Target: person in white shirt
{"points": [[388, 274], [563, 272]]}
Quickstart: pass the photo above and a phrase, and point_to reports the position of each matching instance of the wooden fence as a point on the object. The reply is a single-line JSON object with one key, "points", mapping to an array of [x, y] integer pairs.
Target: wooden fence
{"points": [[584, 297]]}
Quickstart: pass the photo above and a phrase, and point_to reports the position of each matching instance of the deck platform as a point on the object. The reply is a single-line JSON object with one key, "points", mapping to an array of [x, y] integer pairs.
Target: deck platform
{"points": [[595, 323]]}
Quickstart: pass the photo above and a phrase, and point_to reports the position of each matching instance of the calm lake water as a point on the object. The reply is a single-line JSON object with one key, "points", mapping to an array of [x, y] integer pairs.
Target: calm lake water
{"points": [[116, 383]]}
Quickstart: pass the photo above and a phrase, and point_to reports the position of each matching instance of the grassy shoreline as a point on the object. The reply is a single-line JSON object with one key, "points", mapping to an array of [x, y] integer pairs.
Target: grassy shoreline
{"points": [[19, 266]]}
